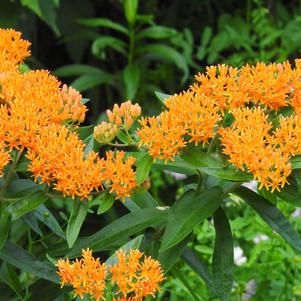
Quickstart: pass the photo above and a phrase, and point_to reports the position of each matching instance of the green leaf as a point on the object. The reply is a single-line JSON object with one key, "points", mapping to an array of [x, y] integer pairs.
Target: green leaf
{"points": [[166, 53], [198, 158], [10, 277], [106, 202], [271, 215], [222, 261], [89, 146], [77, 217], [79, 69], [47, 218], [187, 212], [123, 137], [133, 244], [103, 22], [206, 35], [5, 222], [123, 227], [31, 220], [199, 267], [162, 96], [157, 32], [169, 257], [229, 173], [131, 78], [46, 10], [130, 10], [89, 81], [290, 194], [107, 41], [26, 204], [21, 187], [21, 259], [144, 165], [178, 165]]}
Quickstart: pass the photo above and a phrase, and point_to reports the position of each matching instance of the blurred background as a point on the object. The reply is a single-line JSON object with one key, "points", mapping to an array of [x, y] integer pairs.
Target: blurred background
{"points": [[111, 53]]}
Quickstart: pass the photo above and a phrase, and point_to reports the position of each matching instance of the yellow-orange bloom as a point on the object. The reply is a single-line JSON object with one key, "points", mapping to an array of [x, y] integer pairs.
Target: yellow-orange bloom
{"points": [[250, 146], [135, 277], [188, 114], [87, 275], [58, 155], [13, 49], [119, 174]]}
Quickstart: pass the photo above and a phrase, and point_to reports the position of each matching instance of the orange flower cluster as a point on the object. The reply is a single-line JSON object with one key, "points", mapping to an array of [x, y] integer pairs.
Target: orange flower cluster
{"points": [[35, 114], [249, 144], [188, 114], [13, 49], [135, 277], [87, 275]]}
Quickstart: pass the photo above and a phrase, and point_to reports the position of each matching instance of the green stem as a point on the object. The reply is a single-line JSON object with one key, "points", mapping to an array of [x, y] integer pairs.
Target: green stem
{"points": [[8, 177], [212, 144], [200, 181], [132, 45], [178, 274]]}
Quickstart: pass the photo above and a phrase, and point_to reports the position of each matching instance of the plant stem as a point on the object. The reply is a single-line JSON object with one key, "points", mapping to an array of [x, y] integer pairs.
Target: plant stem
{"points": [[132, 45], [178, 274], [212, 144], [8, 177]]}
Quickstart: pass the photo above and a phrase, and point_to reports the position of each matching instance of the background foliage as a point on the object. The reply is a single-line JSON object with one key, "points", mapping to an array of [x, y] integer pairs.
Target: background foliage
{"points": [[111, 54]]}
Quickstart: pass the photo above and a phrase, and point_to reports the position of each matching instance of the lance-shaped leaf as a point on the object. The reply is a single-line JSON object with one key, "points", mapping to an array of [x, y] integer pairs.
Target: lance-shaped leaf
{"points": [[271, 215], [5, 222], [123, 227], [223, 256], [199, 267], [187, 212], [132, 244], [20, 258], [77, 217]]}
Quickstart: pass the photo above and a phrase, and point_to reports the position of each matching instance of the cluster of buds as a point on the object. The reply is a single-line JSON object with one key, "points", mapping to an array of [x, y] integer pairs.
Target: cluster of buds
{"points": [[125, 114], [105, 132], [72, 104], [122, 117]]}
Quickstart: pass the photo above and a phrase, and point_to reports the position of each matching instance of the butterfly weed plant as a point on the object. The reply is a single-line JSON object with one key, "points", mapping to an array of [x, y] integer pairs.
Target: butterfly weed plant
{"points": [[231, 126]]}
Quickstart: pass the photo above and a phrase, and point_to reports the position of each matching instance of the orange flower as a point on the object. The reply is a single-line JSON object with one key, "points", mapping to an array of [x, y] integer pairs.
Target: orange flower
{"points": [[135, 277], [58, 155], [189, 114], [12, 49], [87, 275], [163, 135], [250, 146], [119, 174]]}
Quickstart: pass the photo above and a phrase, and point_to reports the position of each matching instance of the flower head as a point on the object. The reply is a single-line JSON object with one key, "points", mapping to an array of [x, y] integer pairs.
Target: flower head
{"points": [[87, 275], [13, 49], [135, 276]]}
